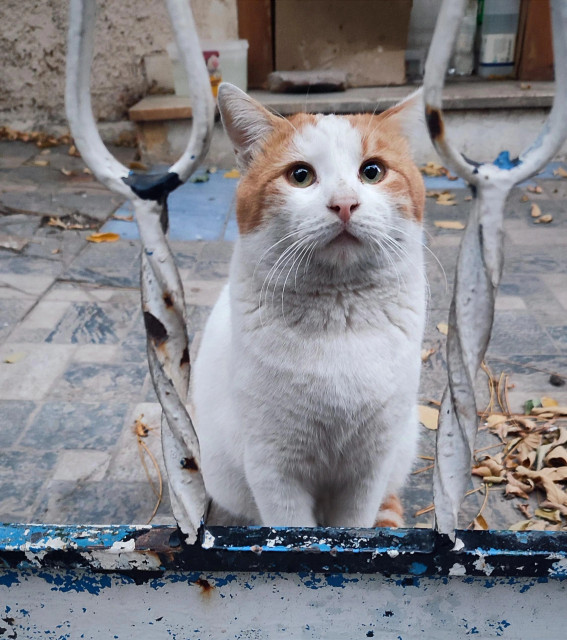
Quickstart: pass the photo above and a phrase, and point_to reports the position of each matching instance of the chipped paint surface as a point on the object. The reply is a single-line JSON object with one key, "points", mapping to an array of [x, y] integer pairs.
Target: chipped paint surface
{"points": [[55, 582], [211, 605]]}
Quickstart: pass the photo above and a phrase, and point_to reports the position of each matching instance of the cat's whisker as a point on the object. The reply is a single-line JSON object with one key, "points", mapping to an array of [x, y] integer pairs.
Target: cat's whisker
{"points": [[267, 280], [273, 246], [280, 263], [430, 251], [304, 254], [312, 247], [416, 265], [278, 278], [299, 257], [386, 253]]}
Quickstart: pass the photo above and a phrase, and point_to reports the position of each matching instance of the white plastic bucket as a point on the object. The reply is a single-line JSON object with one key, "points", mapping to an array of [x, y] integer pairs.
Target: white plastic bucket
{"points": [[232, 64]]}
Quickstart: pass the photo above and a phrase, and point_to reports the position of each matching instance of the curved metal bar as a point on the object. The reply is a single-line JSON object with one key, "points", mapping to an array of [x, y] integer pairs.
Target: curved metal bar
{"points": [[82, 17], [479, 268], [199, 88], [444, 36], [162, 291], [480, 262], [163, 305], [554, 131]]}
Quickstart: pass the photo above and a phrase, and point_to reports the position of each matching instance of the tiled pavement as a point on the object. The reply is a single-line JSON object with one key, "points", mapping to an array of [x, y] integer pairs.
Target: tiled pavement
{"points": [[73, 373]]}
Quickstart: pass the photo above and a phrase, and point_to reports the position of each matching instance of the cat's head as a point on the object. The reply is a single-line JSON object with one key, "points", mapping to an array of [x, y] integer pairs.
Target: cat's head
{"points": [[343, 188]]}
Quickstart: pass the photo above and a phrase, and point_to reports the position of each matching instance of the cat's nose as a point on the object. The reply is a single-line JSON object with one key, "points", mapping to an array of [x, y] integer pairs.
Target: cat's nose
{"points": [[344, 207]]}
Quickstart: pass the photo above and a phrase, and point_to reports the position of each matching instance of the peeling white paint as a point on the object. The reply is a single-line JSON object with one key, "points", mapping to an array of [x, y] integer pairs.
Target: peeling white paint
{"points": [[459, 544], [559, 568], [482, 565], [122, 561], [458, 570], [209, 541], [119, 546]]}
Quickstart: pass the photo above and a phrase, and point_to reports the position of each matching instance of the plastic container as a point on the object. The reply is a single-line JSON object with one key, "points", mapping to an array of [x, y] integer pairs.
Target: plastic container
{"points": [[462, 61], [226, 61], [498, 26]]}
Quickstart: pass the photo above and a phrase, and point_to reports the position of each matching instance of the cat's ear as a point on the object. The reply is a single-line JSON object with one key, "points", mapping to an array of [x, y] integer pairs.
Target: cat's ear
{"points": [[246, 122], [409, 117]]}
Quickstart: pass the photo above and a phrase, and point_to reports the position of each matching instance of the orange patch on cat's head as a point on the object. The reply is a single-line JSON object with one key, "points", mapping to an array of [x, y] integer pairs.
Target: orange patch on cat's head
{"points": [[259, 186], [383, 139]]}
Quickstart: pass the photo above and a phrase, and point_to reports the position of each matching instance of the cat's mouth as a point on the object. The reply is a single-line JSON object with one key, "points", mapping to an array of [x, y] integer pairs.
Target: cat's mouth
{"points": [[344, 237]]}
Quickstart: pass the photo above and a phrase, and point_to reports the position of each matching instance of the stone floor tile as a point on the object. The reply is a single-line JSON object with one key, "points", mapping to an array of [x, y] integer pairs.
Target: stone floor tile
{"points": [[108, 265], [104, 502], [98, 353], [92, 323], [514, 332], [126, 464], [12, 312], [45, 314], [211, 270], [21, 478], [33, 376], [19, 224], [14, 153], [202, 292], [97, 382], [14, 418], [75, 425], [510, 303], [81, 465]]}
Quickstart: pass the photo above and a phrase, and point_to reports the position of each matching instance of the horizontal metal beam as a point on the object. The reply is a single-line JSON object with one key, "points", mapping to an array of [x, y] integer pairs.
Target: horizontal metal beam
{"points": [[410, 552]]}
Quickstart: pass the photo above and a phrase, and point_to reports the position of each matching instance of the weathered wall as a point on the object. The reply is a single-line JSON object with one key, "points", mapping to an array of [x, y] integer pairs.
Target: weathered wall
{"points": [[32, 54]]}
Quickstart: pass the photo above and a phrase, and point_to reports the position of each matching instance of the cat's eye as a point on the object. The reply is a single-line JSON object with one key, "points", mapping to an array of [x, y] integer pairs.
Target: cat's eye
{"points": [[301, 175], [372, 172]]}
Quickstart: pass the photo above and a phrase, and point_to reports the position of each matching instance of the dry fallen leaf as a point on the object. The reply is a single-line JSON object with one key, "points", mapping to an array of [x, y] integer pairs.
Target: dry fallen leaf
{"points": [[443, 328], [426, 354], [548, 402], [535, 211], [545, 219], [41, 163], [446, 198], [467, 198], [233, 173], [433, 169], [428, 416], [524, 86], [480, 524], [494, 420], [141, 429], [524, 198], [129, 218], [140, 166], [15, 357], [87, 171], [449, 224], [560, 171], [548, 514], [73, 151], [67, 172], [103, 237], [536, 189]]}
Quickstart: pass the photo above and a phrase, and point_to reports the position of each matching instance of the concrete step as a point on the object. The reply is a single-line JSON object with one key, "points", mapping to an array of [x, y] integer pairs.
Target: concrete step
{"points": [[482, 117]]}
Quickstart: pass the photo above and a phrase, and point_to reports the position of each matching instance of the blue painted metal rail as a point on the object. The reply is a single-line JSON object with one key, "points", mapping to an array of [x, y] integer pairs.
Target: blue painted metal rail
{"points": [[145, 582]]}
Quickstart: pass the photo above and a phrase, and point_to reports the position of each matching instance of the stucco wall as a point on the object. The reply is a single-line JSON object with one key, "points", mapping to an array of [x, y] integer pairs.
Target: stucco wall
{"points": [[32, 54]]}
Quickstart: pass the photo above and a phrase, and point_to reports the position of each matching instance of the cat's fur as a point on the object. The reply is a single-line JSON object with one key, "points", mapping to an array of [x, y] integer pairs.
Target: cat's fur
{"points": [[305, 386]]}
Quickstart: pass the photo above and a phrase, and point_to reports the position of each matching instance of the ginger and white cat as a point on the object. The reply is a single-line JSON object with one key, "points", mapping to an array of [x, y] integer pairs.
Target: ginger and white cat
{"points": [[305, 386]]}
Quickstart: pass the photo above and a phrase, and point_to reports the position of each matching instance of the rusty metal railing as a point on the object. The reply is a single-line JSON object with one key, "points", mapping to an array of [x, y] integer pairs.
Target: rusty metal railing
{"points": [[162, 292], [480, 261]]}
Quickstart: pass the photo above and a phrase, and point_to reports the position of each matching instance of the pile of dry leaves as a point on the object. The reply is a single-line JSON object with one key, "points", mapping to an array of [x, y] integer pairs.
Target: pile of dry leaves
{"points": [[531, 468]]}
